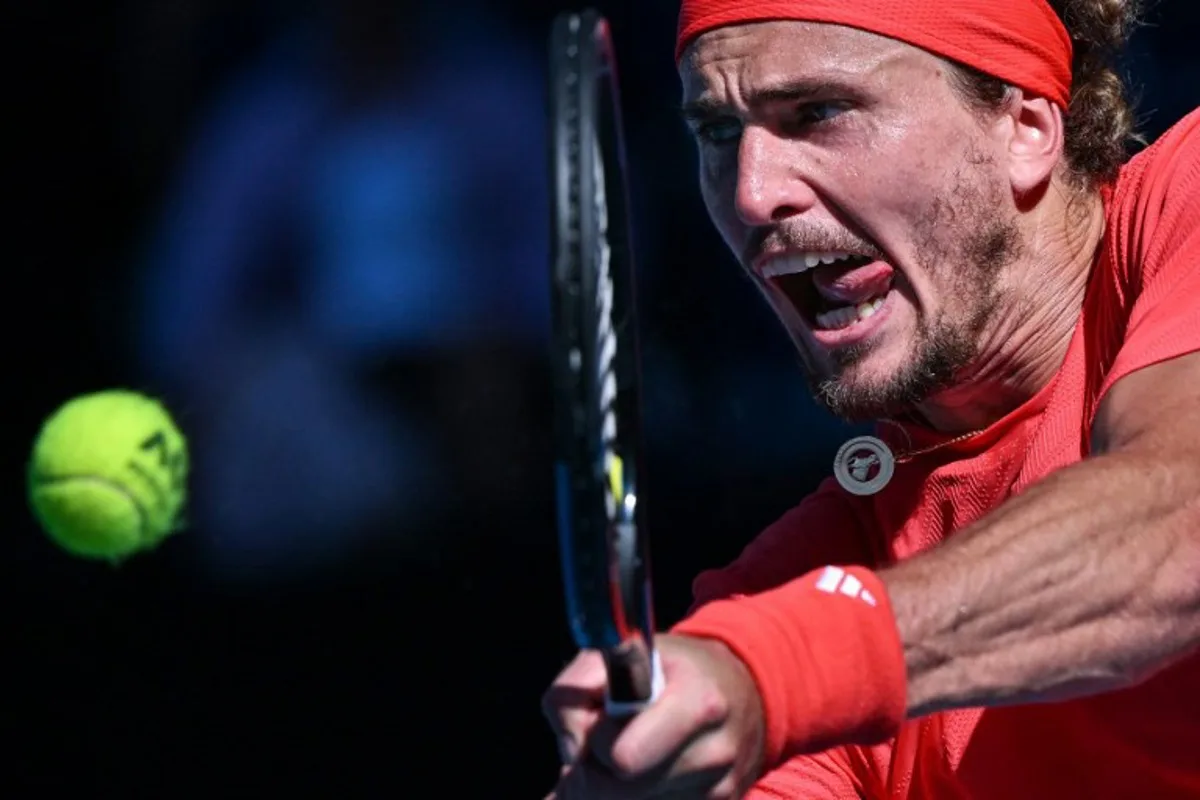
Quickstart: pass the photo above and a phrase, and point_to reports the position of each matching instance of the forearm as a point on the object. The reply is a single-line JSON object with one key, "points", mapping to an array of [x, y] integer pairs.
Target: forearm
{"points": [[1084, 583]]}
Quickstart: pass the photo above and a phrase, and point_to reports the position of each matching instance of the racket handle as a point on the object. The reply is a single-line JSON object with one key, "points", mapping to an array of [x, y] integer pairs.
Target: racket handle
{"points": [[658, 681]]}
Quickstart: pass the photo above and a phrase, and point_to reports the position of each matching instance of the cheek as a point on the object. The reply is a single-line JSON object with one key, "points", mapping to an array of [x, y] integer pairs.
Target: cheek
{"points": [[902, 186], [905, 200], [900, 164]]}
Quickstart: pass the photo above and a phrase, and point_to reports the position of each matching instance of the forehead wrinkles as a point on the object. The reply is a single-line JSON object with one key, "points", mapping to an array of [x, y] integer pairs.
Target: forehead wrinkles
{"points": [[727, 63]]}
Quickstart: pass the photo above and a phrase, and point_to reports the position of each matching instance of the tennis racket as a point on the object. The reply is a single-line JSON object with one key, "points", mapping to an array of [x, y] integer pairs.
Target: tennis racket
{"points": [[603, 544]]}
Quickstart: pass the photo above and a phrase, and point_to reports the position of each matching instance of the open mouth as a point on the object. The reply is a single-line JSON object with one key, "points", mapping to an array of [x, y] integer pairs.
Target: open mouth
{"points": [[831, 291]]}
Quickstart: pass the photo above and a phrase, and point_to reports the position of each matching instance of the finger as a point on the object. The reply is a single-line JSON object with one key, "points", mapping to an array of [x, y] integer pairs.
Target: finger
{"points": [[705, 766], [701, 767], [602, 739], [575, 702], [659, 736]]}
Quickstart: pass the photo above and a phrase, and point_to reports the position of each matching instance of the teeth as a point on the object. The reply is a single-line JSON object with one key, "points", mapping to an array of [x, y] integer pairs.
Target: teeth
{"points": [[796, 263], [838, 318], [848, 315], [869, 308]]}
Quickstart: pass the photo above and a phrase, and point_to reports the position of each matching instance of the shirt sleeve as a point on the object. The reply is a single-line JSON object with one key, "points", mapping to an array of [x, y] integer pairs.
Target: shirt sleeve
{"points": [[823, 529], [1156, 241]]}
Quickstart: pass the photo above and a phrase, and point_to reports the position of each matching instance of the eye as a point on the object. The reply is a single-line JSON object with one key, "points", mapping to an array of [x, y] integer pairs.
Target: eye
{"points": [[811, 114], [718, 131]]}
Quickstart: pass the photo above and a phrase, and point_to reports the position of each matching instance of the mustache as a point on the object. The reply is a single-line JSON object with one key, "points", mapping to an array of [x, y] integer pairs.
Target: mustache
{"points": [[808, 239]]}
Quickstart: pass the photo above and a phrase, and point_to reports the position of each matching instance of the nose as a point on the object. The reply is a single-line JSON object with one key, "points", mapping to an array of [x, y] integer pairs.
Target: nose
{"points": [[769, 184]]}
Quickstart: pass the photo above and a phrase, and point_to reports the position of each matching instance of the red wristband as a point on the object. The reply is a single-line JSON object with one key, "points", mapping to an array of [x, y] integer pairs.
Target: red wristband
{"points": [[825, 653]]}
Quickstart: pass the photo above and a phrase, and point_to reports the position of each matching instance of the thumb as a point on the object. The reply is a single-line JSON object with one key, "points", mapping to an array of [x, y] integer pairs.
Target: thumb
{"points": [[574, 703]]}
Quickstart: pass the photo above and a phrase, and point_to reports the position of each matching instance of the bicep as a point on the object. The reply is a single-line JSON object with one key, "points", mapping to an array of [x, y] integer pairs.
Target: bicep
{"points": [[1155, 409], [1151, 388], [1149, 398]]}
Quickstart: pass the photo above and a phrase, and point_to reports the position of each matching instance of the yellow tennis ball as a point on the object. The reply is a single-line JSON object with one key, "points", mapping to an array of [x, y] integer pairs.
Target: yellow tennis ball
{"points": [[108, 475]]}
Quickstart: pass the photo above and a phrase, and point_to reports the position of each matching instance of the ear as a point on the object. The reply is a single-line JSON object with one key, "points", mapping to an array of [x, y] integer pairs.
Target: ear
{"points": [[1035, 143]]}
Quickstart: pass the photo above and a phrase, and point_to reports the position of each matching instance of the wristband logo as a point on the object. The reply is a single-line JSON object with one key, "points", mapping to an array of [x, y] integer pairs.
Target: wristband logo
{"points": [[835, 580]]}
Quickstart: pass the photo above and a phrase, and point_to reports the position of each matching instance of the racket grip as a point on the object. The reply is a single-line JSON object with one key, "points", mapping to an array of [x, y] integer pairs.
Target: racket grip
{"points": [[658, 681]]}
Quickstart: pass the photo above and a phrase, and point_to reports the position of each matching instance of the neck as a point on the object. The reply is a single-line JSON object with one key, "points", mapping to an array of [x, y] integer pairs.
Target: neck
{"points": [[1030, 329]]}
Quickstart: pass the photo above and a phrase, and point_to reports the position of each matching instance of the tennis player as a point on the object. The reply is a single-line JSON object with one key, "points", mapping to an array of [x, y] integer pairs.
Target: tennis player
{"points": [[998, 594]]}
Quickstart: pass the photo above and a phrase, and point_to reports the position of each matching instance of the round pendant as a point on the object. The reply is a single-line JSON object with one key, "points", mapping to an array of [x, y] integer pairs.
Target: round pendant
{"points": [[864, 465]]}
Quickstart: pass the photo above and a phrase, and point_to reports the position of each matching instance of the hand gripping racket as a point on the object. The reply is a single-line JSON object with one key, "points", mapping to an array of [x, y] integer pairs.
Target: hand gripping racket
{"points": [[603, 544]]}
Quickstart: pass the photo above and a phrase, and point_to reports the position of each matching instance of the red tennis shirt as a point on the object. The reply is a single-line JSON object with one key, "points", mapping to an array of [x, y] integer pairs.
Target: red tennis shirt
{"points": [[1142, 306]]}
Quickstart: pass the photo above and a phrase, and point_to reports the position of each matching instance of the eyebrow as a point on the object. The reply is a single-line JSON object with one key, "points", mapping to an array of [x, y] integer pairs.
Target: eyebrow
{"points": [[789, 91]]}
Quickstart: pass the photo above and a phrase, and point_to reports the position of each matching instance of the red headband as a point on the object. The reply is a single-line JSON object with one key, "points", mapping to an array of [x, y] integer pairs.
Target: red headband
{"points": [[1021, 42]]}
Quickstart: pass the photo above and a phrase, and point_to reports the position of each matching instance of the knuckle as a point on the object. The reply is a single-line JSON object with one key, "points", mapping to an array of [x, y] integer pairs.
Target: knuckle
{"points": [[710, 705]]}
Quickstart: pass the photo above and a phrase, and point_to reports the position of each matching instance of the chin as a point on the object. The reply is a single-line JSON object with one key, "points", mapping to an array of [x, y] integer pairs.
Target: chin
{"points": [[865, 387]]}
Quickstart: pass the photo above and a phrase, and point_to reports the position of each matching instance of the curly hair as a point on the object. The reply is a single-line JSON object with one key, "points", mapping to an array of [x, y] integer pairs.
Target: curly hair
{"points": [[1100, 121]]}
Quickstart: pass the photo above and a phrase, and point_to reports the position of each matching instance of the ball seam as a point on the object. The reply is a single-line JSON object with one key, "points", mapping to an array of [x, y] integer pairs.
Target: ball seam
{"points": [[40, 481]]}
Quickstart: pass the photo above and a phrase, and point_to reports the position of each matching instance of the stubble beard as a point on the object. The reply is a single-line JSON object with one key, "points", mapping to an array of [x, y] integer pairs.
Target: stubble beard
{"points": [[945, 347]]}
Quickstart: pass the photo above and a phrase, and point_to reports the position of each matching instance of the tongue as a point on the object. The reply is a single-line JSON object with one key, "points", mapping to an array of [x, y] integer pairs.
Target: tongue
{"points": [[850, 285]]}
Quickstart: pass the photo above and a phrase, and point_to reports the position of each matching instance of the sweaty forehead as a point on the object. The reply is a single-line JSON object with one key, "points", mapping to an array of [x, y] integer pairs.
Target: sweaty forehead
{"points": [[753, 54]]}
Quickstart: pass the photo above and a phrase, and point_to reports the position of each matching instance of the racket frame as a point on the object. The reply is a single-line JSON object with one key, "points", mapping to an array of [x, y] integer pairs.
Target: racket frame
{"points": [[603, 545]]}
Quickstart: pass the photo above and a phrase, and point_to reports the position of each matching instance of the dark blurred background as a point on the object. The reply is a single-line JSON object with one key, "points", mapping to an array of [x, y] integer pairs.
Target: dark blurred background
{"points": [[318, 230]]}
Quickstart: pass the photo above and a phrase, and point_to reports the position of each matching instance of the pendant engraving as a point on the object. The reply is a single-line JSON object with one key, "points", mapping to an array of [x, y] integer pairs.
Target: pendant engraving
{"points": [[864, 465]]}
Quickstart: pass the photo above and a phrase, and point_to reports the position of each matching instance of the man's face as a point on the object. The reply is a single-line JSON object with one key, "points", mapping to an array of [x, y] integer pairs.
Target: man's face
{"points": [[865, 199]]}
